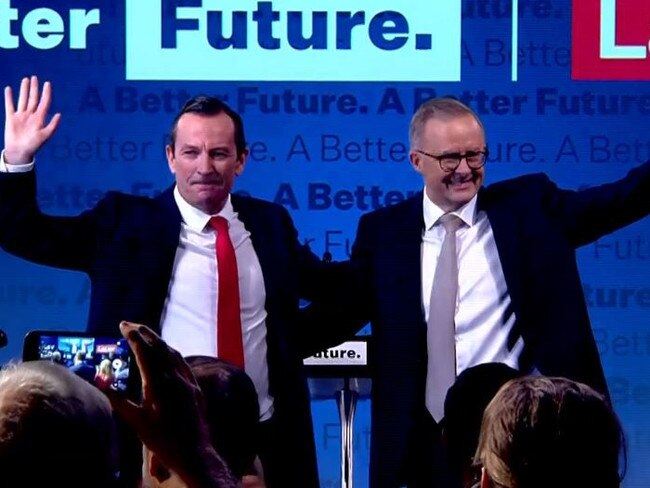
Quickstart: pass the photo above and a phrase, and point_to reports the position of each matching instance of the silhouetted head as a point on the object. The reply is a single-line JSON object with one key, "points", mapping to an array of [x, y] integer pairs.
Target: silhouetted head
{"points": [[232, 414], [52, 421], [464, 406]]}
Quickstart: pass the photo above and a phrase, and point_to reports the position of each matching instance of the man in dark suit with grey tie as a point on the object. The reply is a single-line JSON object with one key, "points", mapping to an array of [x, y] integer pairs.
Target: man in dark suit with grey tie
{"points": [[517, 298], [153, 261]]}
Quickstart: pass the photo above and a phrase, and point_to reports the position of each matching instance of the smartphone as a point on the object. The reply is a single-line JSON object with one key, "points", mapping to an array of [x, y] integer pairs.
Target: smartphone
{"points": [[105, 362]]}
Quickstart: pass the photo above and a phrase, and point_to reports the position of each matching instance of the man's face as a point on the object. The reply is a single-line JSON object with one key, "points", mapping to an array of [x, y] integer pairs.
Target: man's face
{"points": [[204, 160], [449, 190]]}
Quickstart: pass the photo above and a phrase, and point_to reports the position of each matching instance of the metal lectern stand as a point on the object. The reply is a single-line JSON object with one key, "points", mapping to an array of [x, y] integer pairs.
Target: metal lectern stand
{"points": [[347, 403], [349, 363]]}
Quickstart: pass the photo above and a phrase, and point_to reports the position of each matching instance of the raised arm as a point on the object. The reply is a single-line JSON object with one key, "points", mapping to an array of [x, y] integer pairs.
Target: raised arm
{"points": [[170, 421], [25, 123]]}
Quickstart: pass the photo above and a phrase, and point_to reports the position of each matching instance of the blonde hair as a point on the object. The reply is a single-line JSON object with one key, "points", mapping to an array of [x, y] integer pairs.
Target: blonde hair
{"points": [[106, 368], [539, 432]]}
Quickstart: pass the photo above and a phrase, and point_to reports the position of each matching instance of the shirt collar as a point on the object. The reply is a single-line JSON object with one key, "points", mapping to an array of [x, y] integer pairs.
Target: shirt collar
{"points": [[196, 219], [432, 213]]}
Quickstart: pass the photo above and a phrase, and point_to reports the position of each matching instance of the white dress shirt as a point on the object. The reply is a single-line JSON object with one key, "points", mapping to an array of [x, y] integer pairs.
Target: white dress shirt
{"points": [[189, 318], [484, 316], [14, 168]]}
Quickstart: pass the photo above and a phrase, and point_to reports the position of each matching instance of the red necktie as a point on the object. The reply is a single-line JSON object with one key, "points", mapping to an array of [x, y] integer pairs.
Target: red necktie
{"points": [[229, 338]]}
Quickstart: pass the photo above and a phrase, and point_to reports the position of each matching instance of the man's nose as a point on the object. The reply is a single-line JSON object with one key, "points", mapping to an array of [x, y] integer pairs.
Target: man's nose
{"points": [[463, 167], [204, 163]]}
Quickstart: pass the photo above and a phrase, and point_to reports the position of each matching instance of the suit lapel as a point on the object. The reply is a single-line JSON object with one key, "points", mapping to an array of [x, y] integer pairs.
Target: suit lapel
{"points": [[161, 236], [507, 236], [253, 221], [148, 256], [409, 251], [170, 224]]}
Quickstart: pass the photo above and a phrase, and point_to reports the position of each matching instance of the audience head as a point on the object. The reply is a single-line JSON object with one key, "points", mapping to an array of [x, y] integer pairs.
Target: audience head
{"points": [[541, 432], [464, 405], [232, 413], [51, 422], [106, 368], [57, 357]]}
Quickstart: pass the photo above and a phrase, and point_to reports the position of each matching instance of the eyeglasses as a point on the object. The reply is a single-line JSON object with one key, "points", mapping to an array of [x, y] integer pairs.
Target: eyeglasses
{"points": [[451, 161]]}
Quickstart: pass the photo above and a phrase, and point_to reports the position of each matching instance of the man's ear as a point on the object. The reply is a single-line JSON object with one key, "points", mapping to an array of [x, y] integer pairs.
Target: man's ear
{"points": [[416, 160], [157, 470], [169, 152], [241, 162]]}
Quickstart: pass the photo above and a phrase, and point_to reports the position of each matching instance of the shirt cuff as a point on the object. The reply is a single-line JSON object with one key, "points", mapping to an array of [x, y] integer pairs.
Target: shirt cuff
{"points": [[14, 168]]}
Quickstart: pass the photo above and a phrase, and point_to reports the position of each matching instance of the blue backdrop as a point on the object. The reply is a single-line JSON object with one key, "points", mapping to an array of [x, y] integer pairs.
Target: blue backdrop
{"points": [[327, 119]]}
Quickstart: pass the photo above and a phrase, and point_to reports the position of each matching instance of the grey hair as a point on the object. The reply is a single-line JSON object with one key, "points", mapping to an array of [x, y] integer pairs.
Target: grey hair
{"points": [[52, 419], [437, 108]]}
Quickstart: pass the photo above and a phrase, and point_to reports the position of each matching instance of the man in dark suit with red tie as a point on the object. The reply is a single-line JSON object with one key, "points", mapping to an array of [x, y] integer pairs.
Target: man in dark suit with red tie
{"points": [[158, 262]]}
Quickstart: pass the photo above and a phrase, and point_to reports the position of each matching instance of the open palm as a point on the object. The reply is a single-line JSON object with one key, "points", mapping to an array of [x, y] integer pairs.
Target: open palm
{"points": [[25, 127]]}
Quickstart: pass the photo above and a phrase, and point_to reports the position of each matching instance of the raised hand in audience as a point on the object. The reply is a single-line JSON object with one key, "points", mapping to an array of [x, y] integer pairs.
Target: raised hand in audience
{"points": [[170, 420]]}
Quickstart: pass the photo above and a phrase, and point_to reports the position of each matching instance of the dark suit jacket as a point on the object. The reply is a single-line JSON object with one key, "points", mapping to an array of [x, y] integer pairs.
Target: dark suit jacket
{"points": [[127, 244], [537, 228]]}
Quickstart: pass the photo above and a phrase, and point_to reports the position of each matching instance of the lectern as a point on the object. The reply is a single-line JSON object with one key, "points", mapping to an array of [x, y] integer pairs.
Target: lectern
{"points": [[348, 362]]}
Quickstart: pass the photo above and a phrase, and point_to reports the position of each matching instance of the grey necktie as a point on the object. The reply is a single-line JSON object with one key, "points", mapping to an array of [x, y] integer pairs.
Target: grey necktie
{"points": [[441, 345]]}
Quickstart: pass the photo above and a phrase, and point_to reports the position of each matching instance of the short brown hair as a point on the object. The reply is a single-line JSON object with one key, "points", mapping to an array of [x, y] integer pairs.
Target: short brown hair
{"points": [[232, 410], [205, 105], [545, 431]]}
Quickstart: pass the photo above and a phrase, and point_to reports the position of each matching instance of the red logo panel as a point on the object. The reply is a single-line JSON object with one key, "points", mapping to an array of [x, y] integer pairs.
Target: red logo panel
{"points": [[626, 56]]}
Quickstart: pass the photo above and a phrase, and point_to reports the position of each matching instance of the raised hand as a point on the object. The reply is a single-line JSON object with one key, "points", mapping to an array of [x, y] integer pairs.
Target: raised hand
{"points": [[25, 128], [170, 421]]}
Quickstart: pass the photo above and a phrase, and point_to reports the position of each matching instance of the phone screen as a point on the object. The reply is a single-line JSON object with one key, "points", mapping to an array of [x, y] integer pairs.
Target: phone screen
{"points": [[104, 362]]}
